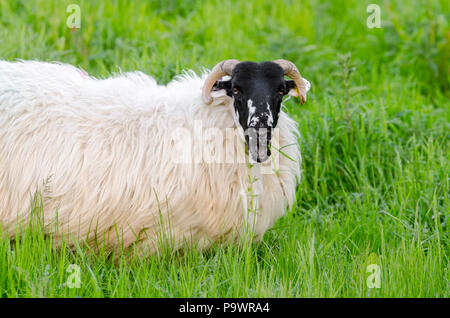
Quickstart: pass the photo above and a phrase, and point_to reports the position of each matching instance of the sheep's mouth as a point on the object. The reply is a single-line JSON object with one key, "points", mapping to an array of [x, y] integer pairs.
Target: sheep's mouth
{"points": [[261, 155], [258, 145]]}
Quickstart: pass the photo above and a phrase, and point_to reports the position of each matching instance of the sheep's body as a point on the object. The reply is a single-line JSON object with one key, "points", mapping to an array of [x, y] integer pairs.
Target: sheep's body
{"points": [[101, 153]]}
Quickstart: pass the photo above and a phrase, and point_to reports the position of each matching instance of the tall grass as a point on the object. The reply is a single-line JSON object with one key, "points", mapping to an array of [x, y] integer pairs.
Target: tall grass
{"points": [[374, 140]]}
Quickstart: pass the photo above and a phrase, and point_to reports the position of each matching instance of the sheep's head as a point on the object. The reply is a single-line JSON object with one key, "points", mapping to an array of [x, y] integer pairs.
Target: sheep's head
{"points": [[257, 90]]}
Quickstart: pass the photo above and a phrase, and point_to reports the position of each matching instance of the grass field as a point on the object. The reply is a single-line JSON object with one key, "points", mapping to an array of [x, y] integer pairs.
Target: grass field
{"points": [[374, 141]]}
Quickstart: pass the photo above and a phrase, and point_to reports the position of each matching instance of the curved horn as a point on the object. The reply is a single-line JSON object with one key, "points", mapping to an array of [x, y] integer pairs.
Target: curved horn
{"points": [[292, 71], [221, 69]]}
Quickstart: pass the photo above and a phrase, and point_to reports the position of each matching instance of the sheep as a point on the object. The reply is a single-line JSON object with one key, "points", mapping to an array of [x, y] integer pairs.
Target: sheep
{"points": [[105, 154]]}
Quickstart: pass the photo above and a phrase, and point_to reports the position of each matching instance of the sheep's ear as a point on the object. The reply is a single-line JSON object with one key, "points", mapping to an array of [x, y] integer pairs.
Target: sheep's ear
{"points": [[221, 88], [292, 89]]}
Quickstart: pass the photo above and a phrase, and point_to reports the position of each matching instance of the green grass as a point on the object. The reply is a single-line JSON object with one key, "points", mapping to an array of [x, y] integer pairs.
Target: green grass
{"points": [[374, 139]]}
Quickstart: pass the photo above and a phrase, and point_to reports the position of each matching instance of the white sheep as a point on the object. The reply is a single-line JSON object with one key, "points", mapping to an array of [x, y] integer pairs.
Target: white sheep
{"points": [[105, 156]]}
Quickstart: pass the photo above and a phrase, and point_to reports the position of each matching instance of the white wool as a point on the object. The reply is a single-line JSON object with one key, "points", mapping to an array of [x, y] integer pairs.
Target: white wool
{"points": [[100, 152]]}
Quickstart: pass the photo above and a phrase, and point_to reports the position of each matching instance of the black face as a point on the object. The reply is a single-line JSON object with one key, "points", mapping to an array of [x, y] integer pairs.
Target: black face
{"points": [[258, 90]]}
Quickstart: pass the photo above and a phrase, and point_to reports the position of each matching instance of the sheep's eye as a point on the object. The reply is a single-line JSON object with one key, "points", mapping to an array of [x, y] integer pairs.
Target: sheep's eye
{"points": [[235, 91]]}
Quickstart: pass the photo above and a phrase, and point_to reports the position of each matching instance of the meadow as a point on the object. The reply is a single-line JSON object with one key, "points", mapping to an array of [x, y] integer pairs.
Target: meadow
{"points": [[374, 140]]}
